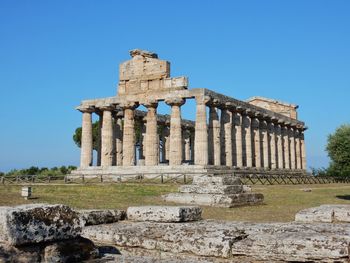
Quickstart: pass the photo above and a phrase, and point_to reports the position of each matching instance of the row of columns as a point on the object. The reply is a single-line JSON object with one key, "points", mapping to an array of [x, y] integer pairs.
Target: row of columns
{"points": [[234, 137]]}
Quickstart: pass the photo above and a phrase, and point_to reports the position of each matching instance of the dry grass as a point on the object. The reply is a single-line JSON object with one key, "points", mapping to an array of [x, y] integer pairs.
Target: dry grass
{"points": [[281, 201]]}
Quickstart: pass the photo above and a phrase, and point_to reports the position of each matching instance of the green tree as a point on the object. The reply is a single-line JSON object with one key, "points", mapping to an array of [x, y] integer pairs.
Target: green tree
{"points": [[95, 135], [338, 148]]}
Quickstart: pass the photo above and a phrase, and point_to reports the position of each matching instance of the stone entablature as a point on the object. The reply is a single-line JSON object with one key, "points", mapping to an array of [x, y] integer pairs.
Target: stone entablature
{"points": [[235, 133], [287, 109]]}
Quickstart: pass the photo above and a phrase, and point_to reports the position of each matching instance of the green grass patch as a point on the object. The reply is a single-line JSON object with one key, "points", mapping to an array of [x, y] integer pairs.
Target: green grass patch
{"points": [[281, 201]]}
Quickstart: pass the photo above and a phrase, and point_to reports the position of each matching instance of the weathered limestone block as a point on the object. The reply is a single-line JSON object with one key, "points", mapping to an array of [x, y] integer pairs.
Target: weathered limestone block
{"points": [[314, 214], [37, 223], [216, 180], [267, 242], [211, 189], [164, 213], [97, 217], [217, 200], [325, 213], [199, 239]]}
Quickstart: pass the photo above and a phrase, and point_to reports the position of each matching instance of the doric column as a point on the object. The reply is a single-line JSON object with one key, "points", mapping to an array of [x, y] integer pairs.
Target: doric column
{"points": [[265, 143], [99, 139], [285, 134], [129, 135], [256, 139], [192, 146], [297, 149], [272, 143], [292, 148], [214, 136], [238, 139], [118, 134], [248, 141], [151, 138], [226, 134], [175, 154], [303, 150], [279, 142], [201, 133], [86, 138], [187, 145], [107, 147], [142, 139]]}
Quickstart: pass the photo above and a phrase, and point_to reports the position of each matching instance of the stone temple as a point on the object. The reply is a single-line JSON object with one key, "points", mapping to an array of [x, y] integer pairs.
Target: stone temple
{"points": [[228, 134]]}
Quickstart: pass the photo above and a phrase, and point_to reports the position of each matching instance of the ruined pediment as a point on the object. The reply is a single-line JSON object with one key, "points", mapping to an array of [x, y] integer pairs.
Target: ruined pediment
{"points": [[145, 72]]}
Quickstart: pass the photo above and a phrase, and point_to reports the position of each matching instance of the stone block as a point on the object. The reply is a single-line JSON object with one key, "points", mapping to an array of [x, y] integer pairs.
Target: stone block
{"points": [[314, 214], [211, 189], [218, 200], [341, 213], [36, 223], [164, 213], [97, 217], [216, 180]]}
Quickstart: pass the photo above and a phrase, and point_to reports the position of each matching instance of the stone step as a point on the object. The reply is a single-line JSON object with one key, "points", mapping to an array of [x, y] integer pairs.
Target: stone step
{"points": [[164, 213], [216, 180], [211, 189], [217, 200]]}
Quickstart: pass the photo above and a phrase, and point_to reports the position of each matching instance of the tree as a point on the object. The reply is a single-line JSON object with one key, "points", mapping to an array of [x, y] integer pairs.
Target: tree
{"points": [[338, 148]]}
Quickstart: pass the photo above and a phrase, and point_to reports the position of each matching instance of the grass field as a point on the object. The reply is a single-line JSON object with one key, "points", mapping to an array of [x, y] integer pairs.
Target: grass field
{"points": [[281, 201]]}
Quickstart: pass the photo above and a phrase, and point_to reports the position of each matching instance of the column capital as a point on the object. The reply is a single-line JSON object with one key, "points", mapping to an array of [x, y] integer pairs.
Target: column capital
{"points": [[87, 109], [175, 101], [106, 108], [150, 103], [129, 105], [203, 100]]}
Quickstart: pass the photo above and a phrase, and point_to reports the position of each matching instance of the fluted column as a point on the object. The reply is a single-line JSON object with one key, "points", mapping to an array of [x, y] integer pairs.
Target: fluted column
{"points": [[272, 143], [297, 149], [265, 144], [279, 142], [99, 139], [292, 148], [226, 134], [187, 145], [129, 135], [303, 150], [238, 139], [248, 141], [256, 139], [201, 133], [214, 137], [142, 139], [192, 146], [151, 138], [118, 134], [107, 137], [286, 147], [175, 154], [86, 138]]}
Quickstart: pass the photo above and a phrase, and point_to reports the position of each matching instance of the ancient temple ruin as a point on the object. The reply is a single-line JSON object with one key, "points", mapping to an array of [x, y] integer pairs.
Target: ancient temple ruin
{"points": [[227, 133]]}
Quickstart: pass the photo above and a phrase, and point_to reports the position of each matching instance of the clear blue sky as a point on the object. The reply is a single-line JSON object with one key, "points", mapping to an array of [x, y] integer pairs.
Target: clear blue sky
{"points": [[53, 54]]}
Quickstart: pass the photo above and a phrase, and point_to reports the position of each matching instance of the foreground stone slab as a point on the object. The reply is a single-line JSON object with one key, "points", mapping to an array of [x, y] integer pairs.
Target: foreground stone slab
{"points": [[218, 200], [97, 217], [36, 223], [269, 242], [325, 213], [164, 213]]}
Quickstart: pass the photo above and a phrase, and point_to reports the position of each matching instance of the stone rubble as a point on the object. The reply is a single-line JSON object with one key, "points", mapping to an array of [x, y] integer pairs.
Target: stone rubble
{"points": [[325, 213], [219, 191], [99, 216], [164, 213]]}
